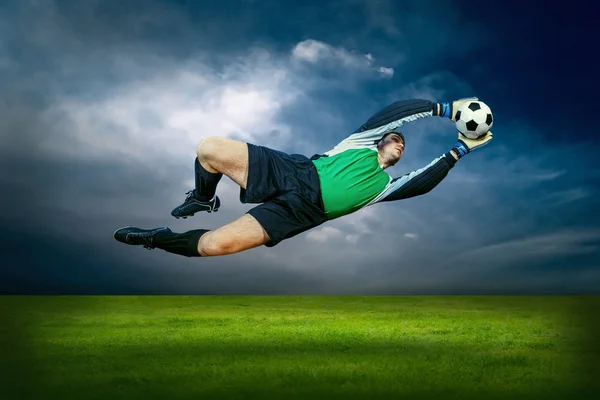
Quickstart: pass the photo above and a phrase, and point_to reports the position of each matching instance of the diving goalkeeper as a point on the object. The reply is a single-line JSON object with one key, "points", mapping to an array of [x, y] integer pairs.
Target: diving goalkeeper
{"points": [[296, 193]]}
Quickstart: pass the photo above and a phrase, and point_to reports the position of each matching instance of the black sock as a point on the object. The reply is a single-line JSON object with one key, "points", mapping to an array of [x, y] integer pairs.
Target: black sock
{"points": [[184, 244], [206, 182]]}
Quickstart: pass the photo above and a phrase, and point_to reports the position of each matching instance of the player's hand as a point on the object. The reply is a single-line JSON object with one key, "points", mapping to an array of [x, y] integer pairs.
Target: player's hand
{"points": [[455, 105], [465, 145]]}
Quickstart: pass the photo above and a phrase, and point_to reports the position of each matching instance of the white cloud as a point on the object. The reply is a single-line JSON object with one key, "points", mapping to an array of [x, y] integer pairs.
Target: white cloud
{"points": [[170, 113], [363, 222], [323, 234], [411, 235], [386, 72], [166, 113], [316, 52], [353, 227]]}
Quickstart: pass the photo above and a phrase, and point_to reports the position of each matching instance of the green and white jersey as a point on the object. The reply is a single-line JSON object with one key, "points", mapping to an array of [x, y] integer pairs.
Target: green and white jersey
{"points": [[350, 175]]}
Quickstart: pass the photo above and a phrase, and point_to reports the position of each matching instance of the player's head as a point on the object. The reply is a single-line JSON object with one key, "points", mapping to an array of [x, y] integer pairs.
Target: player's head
{"points": [[391, 147]]}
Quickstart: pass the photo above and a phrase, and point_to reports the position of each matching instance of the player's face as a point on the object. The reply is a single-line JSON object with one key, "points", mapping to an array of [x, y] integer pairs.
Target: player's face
{"points": [[393, 148]]}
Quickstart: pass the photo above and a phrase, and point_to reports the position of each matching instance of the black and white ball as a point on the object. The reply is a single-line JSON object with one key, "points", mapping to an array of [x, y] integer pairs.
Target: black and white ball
{"points": [[474, 119]]}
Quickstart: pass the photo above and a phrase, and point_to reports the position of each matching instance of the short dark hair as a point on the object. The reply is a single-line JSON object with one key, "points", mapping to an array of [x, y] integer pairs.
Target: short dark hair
{"points": [[392, 132]]}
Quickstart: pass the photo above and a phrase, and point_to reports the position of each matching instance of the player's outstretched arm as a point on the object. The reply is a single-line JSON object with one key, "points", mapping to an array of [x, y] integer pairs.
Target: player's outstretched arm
{"points": [[400, 112], [425, 179], [391, 118], [422, 180]]}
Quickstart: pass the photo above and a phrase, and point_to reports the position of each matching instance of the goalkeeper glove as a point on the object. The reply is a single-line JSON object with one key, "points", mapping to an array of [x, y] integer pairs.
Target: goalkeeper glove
{"points": [[465, 145], [449, 109]]}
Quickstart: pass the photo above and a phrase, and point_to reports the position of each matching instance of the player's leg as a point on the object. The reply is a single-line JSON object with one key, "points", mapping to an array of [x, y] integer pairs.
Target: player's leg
{"points": [[287, 186], [215, 157], [242, 234], [220, 155]]}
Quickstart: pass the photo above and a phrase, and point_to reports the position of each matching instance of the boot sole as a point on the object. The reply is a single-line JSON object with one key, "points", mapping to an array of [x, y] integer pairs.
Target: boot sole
{"points": [[192, 214]]}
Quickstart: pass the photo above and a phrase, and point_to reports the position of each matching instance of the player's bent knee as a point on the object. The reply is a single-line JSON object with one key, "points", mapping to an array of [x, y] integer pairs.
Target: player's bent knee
{"points": [[213, 147], [207, 246], [212, 244], [207, 148], [243, 234]]}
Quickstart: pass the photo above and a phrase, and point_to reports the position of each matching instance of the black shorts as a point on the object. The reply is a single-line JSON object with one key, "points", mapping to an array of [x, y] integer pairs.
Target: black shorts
{"points": [[288, 186]]}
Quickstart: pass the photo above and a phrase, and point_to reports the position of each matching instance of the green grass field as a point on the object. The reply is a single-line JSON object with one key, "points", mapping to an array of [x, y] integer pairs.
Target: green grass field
{"points": [[310, 347]]}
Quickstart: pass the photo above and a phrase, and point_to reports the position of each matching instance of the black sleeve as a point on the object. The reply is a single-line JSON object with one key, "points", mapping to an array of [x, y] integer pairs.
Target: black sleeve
{"points": [[420, 181], [398, 111]]}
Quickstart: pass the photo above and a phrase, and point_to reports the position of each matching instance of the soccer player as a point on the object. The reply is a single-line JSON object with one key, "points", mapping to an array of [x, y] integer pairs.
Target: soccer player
{"points": [[297, 193]]}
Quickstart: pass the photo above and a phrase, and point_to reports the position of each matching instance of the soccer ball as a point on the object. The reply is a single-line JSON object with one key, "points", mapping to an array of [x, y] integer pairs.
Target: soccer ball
{"points": [[474, 119]]}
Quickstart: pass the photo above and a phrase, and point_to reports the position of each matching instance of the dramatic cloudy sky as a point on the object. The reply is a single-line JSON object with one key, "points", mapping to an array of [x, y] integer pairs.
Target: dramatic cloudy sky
{"points": [[102, 104]]}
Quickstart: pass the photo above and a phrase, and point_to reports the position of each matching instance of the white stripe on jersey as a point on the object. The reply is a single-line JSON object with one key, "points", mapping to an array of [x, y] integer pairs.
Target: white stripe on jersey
{"points": [[367, 138]]}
